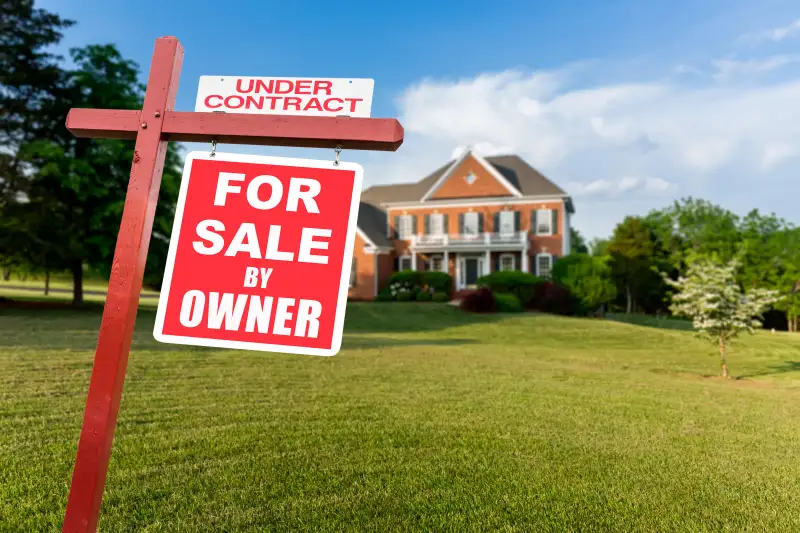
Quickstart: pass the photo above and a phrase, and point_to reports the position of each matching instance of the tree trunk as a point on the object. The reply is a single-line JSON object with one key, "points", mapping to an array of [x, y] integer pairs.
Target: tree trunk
{"points": [[629, 296], [6, 273], [722, 356], [46, 282], [77, 284]]}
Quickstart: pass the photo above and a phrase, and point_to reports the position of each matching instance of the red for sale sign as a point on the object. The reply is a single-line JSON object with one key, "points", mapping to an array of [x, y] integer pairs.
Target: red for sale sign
{"points": [[260, 254]]}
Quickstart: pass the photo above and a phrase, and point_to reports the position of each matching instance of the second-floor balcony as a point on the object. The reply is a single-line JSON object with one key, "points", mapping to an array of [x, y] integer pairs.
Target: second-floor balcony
{"points": [[515, 239]]}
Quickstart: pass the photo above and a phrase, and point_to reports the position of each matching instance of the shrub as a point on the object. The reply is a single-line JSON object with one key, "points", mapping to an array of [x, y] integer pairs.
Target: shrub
{"points": [[550, 297], [385, 295], [507, 302], [411, 278], [521, 284], [424, 296], [441, 297], [480, 301], [439, 281], [404, 296]]}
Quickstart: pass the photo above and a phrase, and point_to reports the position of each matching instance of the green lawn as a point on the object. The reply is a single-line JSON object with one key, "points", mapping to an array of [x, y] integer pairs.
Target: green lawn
{"points": [[428, 420]]}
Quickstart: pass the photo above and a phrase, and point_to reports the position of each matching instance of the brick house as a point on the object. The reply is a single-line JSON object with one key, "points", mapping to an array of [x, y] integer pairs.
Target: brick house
{"points": [[470, 217]]}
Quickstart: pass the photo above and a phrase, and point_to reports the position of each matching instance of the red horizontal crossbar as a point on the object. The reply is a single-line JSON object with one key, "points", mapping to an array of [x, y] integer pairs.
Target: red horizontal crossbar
{"points": [[379, 134]]}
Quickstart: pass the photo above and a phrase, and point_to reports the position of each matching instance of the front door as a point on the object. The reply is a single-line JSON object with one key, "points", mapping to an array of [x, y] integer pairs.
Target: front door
{"points": [[470, 270]]}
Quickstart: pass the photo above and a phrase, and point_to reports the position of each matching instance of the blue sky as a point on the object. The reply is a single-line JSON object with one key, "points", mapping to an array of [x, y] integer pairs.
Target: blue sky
{"points": [[625, 104]]}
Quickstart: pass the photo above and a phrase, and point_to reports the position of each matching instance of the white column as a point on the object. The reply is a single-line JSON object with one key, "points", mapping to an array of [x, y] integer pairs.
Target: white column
{"points": [[446, 261], [458, 272], [524, 257], [488, 266], [413, 260]]}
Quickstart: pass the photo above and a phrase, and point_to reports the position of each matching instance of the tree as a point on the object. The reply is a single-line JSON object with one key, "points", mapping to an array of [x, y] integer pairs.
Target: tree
{"points": [[69, 206], [711, 297], [578, 243], [587, 277], [633, 250]]}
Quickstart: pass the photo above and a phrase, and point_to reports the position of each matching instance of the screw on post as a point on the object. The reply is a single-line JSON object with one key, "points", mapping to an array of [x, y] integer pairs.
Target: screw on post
{"points": [[338, 151]]}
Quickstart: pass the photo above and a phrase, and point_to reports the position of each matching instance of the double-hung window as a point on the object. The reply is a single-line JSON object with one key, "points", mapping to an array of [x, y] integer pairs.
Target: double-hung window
{"points": [[507, 262], [544, 222], [405, 227], [471, 224], [437, 224], [506, 219], [544, 265], [405, 263], [437, 263]]}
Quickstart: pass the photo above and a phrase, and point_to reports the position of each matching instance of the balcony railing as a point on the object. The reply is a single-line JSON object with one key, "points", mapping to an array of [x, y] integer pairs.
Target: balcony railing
{"points": [[487, 239]]}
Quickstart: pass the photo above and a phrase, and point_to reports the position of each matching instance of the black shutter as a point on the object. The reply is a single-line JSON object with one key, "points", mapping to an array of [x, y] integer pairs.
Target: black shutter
{"points": [[413, 224], [555, 221], [516, 221], [396, 227], [461, 223], [534, 229], [480, 223], [427, 224], [496, 223], [496, 263], [396, 266], [446, 224]]}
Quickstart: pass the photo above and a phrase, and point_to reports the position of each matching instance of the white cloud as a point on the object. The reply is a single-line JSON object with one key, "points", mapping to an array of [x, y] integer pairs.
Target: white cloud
{"points": [[606, 188], [726, 69], [725, 133], [774, 34]]}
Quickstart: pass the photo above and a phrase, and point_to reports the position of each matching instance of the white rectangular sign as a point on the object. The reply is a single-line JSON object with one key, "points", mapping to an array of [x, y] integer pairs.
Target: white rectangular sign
{"points": [[318, 97]]}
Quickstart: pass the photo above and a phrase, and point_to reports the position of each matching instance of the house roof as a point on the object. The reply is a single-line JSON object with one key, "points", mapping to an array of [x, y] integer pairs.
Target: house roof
{"points": [[372, 223], [525, 178], [519, 174]]}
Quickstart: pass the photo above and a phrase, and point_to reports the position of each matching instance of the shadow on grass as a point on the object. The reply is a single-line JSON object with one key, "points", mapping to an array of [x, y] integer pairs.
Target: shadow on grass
{"points": [[651, 321], [783, 368], [76, 329]]}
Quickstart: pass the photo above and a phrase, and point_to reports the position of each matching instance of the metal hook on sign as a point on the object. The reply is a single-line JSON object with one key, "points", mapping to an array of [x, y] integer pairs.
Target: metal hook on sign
{"points": [[338, 151], [213, 148]]}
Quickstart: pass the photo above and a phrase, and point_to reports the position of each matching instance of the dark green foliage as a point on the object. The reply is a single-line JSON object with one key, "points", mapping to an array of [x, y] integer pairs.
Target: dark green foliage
{"points": [[424, 296], [441, 297], [588, 278], [521, 284], [439, 281], [404, 296], [385, 295], [507, 303], [63, 213], [410, 277]]}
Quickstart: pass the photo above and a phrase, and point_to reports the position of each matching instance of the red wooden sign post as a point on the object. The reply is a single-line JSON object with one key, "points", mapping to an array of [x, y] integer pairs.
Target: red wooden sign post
{"points": [[152, 128]]}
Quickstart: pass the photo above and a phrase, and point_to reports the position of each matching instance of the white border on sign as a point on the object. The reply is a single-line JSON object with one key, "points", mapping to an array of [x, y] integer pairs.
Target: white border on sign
{"points": [[341, 304]]}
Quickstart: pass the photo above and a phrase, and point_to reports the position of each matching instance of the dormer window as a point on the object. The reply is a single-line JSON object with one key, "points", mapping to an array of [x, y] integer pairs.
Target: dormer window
{"points": [[470, 178]]}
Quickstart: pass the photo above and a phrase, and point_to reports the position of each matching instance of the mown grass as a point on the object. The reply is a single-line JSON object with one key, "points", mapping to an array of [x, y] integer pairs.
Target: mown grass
{"points": [[428, 420]]}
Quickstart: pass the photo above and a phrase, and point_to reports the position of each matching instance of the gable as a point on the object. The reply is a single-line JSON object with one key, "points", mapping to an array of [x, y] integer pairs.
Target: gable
{"points": [[471, 177]]}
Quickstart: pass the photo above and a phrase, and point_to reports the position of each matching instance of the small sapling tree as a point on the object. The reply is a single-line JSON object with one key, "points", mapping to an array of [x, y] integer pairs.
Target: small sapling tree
{"points": [[711, 297]]}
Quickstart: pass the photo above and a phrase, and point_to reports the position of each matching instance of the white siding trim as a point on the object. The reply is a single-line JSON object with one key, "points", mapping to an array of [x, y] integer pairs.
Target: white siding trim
{"points": [[472, 202]]}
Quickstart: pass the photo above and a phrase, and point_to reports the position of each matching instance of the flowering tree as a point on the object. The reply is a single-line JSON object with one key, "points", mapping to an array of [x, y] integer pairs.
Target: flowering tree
{"points": [[710, 296]]}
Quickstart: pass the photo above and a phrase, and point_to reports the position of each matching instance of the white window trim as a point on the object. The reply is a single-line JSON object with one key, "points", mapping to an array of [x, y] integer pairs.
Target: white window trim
{"points": [[510, 214], [400, 263], [443, 268], [405, 222], [440, 218], [476, 216], [549, 222], [550, 257], [513, 262]]}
